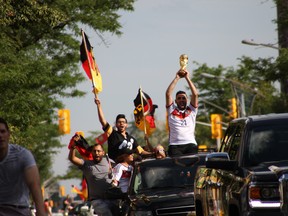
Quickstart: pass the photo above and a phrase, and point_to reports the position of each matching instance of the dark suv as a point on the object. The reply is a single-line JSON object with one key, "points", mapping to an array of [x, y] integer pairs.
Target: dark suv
{"points": [[163, 186], [239, 179]]}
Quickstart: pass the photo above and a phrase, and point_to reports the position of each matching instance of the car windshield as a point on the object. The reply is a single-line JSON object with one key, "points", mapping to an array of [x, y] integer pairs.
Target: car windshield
{"points": [[268, 143], [173, 175]]}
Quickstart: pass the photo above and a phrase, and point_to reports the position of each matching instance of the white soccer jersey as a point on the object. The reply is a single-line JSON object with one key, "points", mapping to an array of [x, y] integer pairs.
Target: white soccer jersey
{"points": [[122, 174], [181, 125]]}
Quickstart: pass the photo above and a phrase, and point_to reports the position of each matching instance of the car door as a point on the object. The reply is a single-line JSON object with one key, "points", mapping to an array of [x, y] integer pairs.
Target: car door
{"points": [[221, 181]]}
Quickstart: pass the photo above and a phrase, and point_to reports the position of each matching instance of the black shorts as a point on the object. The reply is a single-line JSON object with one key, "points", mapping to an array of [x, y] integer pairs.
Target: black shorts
{"points": [[178, 150]]}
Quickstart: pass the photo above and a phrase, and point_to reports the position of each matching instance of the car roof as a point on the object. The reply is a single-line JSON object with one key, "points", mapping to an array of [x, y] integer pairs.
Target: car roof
{"points": [[255, 119], [186, 159]]}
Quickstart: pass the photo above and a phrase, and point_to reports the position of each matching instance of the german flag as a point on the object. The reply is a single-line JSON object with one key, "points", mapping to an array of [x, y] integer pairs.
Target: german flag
{"points": [[81, 146], [144, 114], [89, 64], [101, 139], [147, 102], [83, 193]]}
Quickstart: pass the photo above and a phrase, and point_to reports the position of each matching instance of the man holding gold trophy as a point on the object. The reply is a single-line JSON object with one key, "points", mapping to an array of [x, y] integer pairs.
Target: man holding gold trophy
{"points": [[181, 114]]}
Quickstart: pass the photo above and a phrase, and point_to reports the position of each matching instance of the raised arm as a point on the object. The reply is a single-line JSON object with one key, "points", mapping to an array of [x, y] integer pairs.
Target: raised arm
{"points": [[169, 91], [141, 151], [100, 112], [72, 155], [194, 92]]}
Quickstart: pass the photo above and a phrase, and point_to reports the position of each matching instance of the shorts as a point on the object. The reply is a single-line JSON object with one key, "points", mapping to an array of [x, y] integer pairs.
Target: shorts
{"points": [[179, 150]]}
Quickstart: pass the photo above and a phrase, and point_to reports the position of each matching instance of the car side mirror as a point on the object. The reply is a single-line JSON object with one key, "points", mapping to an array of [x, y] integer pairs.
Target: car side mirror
{"points": [[220, 160]]}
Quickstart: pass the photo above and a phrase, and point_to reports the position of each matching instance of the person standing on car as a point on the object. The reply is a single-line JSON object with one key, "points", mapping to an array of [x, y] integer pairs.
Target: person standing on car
{"points": [[97, 173], [118, 139], [122, 173], [19, 175], [123, 169], [182, 116]]}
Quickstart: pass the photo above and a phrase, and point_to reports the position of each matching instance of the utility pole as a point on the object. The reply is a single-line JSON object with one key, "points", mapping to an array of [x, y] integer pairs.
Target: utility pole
{"points": [[282, 23]]}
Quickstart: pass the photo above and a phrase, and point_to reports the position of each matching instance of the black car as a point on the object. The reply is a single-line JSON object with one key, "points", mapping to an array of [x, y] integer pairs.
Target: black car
{"points": [[163, 186], [240, 179]]}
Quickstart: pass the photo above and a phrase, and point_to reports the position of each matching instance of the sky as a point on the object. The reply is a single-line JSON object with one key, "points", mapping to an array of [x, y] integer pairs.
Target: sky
{"points": [[147, 54]]}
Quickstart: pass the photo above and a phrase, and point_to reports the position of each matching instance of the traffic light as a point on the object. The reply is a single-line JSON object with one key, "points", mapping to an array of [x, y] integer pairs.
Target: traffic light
{"points": [[233, 108], [216, 126], [62, 191], [43, 191], [64, 121]]}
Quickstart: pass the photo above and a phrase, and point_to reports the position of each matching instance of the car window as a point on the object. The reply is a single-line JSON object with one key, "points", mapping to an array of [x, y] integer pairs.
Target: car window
{"points": [[231, 141], [234, 147], [268, 143], [158, 177], [227, 139], [173, 175]]}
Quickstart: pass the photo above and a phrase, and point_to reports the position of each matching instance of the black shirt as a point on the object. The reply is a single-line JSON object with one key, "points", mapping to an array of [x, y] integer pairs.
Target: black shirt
{"points": [[116, 142]]}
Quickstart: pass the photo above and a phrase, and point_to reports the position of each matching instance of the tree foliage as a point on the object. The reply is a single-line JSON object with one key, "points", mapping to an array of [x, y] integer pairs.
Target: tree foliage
{"points": [[39, 64], [252, 79], [159, 136]]}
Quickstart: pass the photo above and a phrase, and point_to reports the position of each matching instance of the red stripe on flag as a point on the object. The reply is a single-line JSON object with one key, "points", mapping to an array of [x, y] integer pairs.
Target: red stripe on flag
{"points": [[101, 139], [147, 102], [87, 155], [84, 58]]}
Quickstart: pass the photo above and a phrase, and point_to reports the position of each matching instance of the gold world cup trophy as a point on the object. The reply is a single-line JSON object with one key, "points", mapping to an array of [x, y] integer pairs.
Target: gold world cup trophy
{"points": [[183, 60]]}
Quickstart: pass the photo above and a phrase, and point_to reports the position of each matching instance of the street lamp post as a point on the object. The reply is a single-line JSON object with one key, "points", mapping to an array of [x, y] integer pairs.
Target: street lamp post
{"points": [[215, 105], [242, 102], [235, 83]]}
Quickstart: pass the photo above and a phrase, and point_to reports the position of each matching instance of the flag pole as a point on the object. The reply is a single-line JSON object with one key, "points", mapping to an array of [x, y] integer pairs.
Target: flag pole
{"points": [[89, 63], [144, 121], [142, 104]]}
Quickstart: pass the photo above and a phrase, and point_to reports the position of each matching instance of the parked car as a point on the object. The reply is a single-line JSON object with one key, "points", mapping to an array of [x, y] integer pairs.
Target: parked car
{"points": [[239, 180], [163, 186], [82, 209]]}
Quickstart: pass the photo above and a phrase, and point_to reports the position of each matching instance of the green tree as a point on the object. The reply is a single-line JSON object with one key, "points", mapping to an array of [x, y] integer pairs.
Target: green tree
{"points": [[39, 64], [159, 136], [216, 92]]}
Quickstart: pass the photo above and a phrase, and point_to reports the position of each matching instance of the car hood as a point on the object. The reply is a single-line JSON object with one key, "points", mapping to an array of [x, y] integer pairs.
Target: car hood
{"points": [[273, 166], [156, 195], [271, 170]]}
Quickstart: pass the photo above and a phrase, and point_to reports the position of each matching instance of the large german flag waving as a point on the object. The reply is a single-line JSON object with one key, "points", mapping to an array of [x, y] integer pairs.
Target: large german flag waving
{"points": [[144, 112], [89, 64], [147, 102]]}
